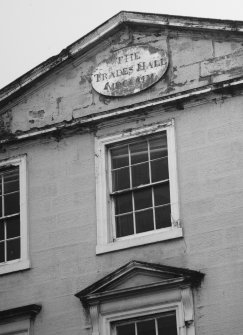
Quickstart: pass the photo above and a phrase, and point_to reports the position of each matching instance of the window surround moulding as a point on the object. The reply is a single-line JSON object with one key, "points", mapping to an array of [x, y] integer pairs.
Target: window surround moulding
{"points": [[24, 262], [18, 320], [122, 295], [107, 320], [105, 242]]}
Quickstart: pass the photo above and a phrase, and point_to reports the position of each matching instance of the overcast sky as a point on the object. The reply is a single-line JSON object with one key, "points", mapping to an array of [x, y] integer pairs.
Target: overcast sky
{"points": [[33, 30]]}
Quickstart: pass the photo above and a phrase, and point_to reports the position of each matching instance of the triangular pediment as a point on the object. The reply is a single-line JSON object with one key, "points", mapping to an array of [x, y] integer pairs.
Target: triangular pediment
{"points": [[110, 27], [135, 276], [133, 62]]}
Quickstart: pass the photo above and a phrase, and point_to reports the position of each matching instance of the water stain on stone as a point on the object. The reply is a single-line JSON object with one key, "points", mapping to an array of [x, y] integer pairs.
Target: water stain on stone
{"points": [[37, 114]]}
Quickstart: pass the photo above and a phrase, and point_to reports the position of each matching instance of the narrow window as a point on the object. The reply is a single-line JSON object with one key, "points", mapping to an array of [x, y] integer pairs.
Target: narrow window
{"points": [[10, 233], [137, 187], [140, 189]]}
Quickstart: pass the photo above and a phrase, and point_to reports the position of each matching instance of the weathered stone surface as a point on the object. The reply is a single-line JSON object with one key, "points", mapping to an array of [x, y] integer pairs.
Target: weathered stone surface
{"points": [[224, 64], [225, 47], [190, 49], [194, 60]]}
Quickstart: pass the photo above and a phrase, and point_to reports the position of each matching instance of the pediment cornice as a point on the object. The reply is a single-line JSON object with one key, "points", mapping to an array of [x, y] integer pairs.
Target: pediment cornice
{"points": [[80, 46], [136, 277]]}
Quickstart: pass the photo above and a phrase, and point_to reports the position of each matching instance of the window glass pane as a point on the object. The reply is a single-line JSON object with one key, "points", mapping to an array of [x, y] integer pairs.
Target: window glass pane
{"points": [[123, 203], [2, 254], [140, 174], [144, 221], [11, 181], [158, 147], [159, 169], [11, 203], [1, 213], [13, 249], [119, 157], [162, 194], [167, 325], [124, 225], [162, 217], [120, 179], [128, 329], [13, 227], [1, 230], [143, 198], [146, 327], [139, 152], [0, 184]]}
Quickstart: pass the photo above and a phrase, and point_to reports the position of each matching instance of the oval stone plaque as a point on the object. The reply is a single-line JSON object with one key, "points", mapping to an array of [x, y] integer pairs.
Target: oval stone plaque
{"points": [[129, 71]]}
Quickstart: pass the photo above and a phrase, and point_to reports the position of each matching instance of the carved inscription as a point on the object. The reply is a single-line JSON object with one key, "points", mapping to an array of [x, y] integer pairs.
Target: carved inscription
{"points": [[129, 71]]}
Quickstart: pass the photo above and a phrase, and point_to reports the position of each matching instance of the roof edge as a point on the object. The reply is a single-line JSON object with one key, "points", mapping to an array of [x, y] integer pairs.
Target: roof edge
{"points": [[93, 36]]}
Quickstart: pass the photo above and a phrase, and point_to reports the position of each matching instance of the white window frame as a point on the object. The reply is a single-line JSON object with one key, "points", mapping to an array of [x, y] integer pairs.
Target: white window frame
{"points": [[23, 262], [105, 240], [178, 299], [20, 327], [107, 320]]}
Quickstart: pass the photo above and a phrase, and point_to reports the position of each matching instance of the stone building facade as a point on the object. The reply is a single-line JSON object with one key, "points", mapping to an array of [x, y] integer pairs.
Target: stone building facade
{"points": [[121, 183]]}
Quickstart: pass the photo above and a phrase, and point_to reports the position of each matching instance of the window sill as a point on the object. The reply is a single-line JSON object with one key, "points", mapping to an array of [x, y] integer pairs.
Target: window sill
{"points": [[153, 237], [14, 266]]}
